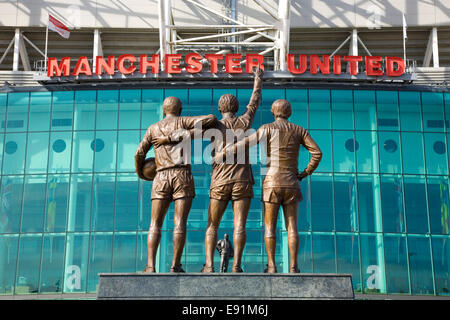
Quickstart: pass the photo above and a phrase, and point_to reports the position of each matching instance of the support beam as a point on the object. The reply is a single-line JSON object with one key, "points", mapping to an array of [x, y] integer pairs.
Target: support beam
{"points": [[283, 33], [221, 35], [24, 54], [432, 50], [16, 50], [353, 48], [163, 41], [7, 50], [97, 48], [340, 46]]}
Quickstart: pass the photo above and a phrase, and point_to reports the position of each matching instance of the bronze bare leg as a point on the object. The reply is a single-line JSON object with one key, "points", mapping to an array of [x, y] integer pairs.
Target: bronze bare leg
{"points": [[240, 211], [182, 208], [159, 210], [270, 238], [215, 213], [290, 212]]}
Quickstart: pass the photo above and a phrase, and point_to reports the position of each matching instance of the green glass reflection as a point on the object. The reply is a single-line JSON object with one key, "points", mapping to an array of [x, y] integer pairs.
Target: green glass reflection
{"points": [[344, 147], [200, 102], [372, 263], [105, 147], [347, 247], [62, 110], [433, 112], [369, 203], [420, 265], [124, 257], [304, 257], [130, 109], [128, 142], [28, 263], [438, 204], [304, 212], [436, 153], [84, 112], [34, 203], [299, 103], [3, 103], [392, 204], [342, 109], [441, 263], [416, 204], [387, 110], [37, 153], [100, 258], [60, 152], [322, 202], [103, 202], [11, 203], [79, 214], [367, 159], [365, 110], [107, 109], [410, 111], [76, 262], [51, 275], [57, 203], [8, 258], [17, 114], [397, 278], [126, 202], [389, 149], [319, 109], [345, 202], [14, 153], [323, 140], [82, 151], [152, 100], [413, 156], [324, 257], [40, 106]]}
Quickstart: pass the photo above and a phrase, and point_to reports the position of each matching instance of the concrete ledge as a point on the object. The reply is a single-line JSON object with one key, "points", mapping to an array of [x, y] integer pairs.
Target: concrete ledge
{"points": [[229, 286]]}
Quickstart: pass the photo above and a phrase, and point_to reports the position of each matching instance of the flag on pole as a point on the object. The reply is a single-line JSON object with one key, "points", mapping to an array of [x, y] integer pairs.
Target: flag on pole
{"points": [[59, 27], [405, 26]]}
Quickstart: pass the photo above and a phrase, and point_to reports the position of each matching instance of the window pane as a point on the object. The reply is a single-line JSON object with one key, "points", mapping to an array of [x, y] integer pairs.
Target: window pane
{"points": [[322, 202], [80, 202], [319, 109], [85, 103], [40, 104], [348, 257], [369, 208], [105, 147], [100, 258], [324, 253], [128, 144], [8, 258], [304, 257], [441, 263], [62, 110], [152, 111], [396, 264], [299, 103], [34, 204], [76, 262], [103, 202], [130, 109], [410, 111], [124, 258], [304, 213], [392, 204], [107, 109], [17, 117], [14, 154], [267, 99], [195, 251], [145, 190], [28, 265], [37, 153], [345, 203], [83, 151], [372, 264], [389, 148], [323, 140], [438, 204], [344, 147], [436, 153], [126, 202], [342, 109], [3, 101], [367, 151], [365, 110], [11, 201], [420, 265], [60, 152], [416, 204], [412, 148], [51, 278], [433, 112], [387, 110], [57, 200]]}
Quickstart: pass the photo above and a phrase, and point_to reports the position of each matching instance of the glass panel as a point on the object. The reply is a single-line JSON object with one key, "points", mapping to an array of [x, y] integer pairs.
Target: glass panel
{"points": [[51, 279], [11, 204], [410, 111], [152, 100], [412, 148], [342, 109], [268, 98], [396, 264], [14, 154], [345, 203], [438, 204], [365, 110], [105, 147], [252, 258], [60, 152], [344, 147], [40, 104], [387, 110], [28, 265], [17, 116], [392, 204], [76, 262], [433, 112], [142, 253], [369, 208], [319, 109], [323, 140], [299, 103], [85, 103], [57, 200], [200, 102], [304, 257], [107, 109], [80, 202], [82, 151], [3, 102], [367, 151], [130, 109], [372, 263], [62, 110], [165, 256], [447, 108], [389, 148], [37, 153], [436, 153], [324, 253], [420, 265], [100, 258], [8, 258], [348, 257], [416, 204], [103, 202], [304, 213], [194, 253], [124, 257], [34, 203], [128, 144], [322, 202], [145, 190], [441, 263], [126, 202]]}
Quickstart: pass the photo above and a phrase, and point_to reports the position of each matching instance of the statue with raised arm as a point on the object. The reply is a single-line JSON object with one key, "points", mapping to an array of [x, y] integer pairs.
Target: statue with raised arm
{"points": [[225, 249], [281, 187], [173, 180]]}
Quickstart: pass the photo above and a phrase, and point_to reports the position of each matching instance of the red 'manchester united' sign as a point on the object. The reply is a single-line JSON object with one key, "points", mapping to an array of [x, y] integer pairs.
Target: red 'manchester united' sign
{"points": [[174, 64]]}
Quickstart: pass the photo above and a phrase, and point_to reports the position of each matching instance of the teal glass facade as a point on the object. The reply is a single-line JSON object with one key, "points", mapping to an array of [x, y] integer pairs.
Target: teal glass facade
{"points": [[72, 205]]}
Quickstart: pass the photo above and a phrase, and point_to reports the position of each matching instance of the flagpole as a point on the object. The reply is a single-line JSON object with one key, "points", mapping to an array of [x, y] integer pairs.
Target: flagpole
{"points": [[46, 42]]}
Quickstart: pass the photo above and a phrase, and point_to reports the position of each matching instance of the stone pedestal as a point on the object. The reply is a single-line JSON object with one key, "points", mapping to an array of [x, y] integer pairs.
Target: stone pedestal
{"points": [[228, 286]]}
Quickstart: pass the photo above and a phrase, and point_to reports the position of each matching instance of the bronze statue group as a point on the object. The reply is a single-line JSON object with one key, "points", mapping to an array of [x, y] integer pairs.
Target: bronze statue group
{"points": [[230, 180]]}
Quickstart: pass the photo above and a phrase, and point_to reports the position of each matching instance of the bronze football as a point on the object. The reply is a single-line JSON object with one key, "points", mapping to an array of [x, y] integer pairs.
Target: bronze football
{"points": [[149, 169]]}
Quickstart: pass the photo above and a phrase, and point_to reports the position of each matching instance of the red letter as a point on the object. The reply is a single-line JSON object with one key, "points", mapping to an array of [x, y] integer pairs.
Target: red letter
{"points": [[172, 63], [254, 60], [193, 64], [353, 63], [315, 62], [63, 68], [337, 64], [154, 63], [101, 64], [231, 65], [291, 65], [121, 61], [212, 58], [82, 67], [390, 71], [373, 65]]}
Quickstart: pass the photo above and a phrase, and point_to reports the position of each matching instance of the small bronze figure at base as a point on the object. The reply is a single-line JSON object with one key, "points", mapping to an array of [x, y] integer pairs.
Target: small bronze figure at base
{"points": [[226, 252]]}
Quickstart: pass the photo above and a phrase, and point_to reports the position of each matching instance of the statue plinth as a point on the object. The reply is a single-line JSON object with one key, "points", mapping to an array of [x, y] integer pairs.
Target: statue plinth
{"points": [[230, 286]]}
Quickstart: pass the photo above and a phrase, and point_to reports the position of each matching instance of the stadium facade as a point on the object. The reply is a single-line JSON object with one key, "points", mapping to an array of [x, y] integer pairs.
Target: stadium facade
{"points": [[72, 206]]}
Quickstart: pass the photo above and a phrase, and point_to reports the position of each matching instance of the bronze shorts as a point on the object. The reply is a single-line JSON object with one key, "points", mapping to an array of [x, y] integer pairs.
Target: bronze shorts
{"points": [[281, 195], [172, 184], [232, 191]]}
